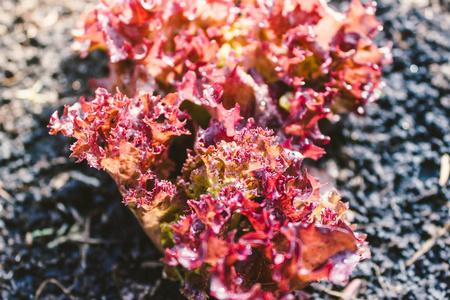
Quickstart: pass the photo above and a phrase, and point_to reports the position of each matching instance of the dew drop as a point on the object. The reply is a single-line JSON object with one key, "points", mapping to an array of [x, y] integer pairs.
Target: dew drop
{"points": [[377, 93], [278, 259], [370, 10], [191, 16], [360, 110]]}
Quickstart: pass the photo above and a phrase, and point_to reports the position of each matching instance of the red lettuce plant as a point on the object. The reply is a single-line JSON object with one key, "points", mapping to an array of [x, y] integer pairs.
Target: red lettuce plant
{"points": [[257, 224], [212, 168], [286, 63]]}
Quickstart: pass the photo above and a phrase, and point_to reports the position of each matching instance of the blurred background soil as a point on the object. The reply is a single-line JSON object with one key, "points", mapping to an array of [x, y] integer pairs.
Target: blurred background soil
{"points": [[66, 235]]}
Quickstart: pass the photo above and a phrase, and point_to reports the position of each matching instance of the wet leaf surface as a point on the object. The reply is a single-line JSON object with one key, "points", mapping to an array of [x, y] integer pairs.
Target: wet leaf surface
{"points": [[65, 221]]}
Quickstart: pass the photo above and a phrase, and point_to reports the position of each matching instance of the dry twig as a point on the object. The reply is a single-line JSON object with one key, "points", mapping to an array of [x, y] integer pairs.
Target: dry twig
{"points": [[55, 282], [381, 280], [332, 292], [428, 244], [5, 195], [352, 288], [445, 169], [78, 238]]}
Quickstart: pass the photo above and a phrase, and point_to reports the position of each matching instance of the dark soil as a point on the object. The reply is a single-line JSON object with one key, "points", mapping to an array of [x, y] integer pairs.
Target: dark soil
{"points": [[65, 233]]}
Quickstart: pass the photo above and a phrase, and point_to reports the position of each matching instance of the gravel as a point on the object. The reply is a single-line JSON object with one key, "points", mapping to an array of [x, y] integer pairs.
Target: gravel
{"points": [[66, 235]]}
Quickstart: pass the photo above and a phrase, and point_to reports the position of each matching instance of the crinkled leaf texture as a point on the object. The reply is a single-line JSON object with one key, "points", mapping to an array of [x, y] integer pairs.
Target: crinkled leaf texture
{"points": [[287, 64], [129, 138], [232, 209], [258, 227], [242, 221]]}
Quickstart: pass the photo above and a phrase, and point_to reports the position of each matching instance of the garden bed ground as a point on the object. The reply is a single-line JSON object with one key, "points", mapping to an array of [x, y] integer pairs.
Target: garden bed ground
{"points": [[65, 233]]}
